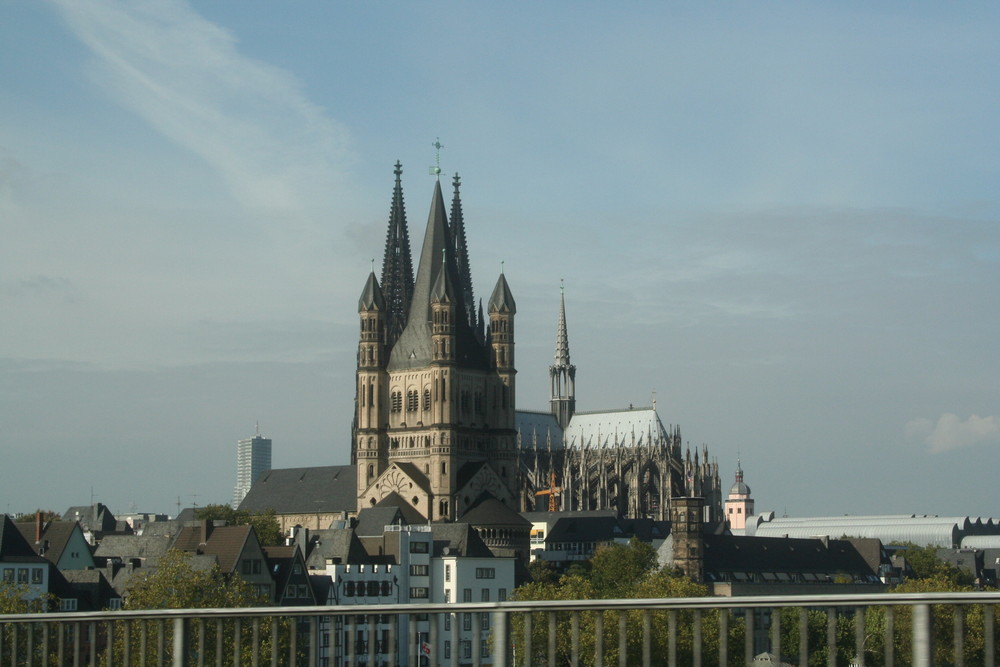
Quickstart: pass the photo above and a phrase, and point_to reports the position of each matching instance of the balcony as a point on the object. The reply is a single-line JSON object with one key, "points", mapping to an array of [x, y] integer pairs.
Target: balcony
{"points": [[915, 629]]}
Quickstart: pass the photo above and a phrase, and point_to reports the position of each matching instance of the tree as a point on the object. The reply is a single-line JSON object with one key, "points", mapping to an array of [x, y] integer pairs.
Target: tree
{"points": [[176, 583], [47, 515], [265, 523], [14, 600], [925, 564], [616, 569]]}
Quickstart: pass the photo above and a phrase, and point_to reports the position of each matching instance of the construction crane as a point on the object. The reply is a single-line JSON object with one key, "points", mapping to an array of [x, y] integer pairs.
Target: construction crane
{"points": [[553, 492]]}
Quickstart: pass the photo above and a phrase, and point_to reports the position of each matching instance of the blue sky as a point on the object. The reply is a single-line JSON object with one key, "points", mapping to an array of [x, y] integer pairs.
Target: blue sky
{"points": [[779, 221]]}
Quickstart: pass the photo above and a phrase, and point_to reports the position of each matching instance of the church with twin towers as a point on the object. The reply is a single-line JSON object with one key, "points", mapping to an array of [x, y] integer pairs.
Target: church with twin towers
{"points": [[436, 423]]}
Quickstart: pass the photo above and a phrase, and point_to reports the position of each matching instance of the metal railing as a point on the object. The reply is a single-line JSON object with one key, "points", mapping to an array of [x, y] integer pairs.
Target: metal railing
{"points": [[865, 630]]}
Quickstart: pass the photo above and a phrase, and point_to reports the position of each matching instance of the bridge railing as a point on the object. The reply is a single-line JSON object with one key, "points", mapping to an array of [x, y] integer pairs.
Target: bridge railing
{"points": [[874, 630]]}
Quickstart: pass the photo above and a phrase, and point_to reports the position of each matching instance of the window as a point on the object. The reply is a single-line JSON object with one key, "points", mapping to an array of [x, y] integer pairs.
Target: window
{"points": [[411, 400], [22, 575], [418, 592], [418, 547], [114, 604], [466, 621], [386, 589], [419, 570], [447, 648], [447, 572], [484, 649], [484, 621], [485, 595], [466, 595], [67, 604], [502, 595], [8, 575], [447, 622], [467, 649], [349, 589], [36, 575], [427, 399], [486, 573], [396, 401]]}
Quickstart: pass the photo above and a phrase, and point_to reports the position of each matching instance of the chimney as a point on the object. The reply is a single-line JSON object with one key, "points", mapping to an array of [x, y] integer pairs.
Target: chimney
{"points": [[206, 531], [38, 526]]}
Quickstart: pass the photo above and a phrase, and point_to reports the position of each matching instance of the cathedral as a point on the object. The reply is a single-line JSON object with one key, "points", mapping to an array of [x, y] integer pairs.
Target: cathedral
{"points": [[435, 423]]}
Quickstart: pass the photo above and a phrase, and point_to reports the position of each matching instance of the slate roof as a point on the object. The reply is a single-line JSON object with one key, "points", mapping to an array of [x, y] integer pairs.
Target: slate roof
{"points": [[13, 546], [612, 428], [97, 517], [391, 510], [56, 533], [413, 348], [323, 489], [584, 529], [461, 539], [491, 512], [332, 544], [777, 560], [146, 548], [413, 472], [538, 429], [226, 543]]}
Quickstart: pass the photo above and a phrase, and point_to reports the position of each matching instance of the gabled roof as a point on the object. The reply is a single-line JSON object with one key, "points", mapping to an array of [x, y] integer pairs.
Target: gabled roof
{"points": [[315, 490], [459, 539], [371, 296], [334, 544], [611, 428], [226, 543], [491, 512], [96, 517], [413, 472], [55, 533], [13, 546], [146, 548], [538, 430]]}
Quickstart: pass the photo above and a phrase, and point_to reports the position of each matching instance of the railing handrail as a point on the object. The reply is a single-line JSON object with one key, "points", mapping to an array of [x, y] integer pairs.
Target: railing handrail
{"points": [[744, 602]]}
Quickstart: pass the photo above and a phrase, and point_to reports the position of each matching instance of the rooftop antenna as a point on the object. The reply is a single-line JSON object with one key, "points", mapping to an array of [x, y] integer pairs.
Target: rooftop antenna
{"points": [[436, 169], [654, 400], [256, 428]]}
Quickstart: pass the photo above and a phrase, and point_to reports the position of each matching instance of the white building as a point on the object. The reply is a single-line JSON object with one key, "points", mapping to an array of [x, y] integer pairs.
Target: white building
{"points": [[441, 563], [253, 457]]}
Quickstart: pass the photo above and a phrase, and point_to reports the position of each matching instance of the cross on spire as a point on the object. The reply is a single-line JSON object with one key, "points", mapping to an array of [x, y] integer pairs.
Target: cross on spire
{"points": [[436, 169]]}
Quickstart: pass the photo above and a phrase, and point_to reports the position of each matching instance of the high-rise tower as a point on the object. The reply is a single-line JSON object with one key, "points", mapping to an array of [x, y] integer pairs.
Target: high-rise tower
{"points": [[253, 457], [434, 422]]}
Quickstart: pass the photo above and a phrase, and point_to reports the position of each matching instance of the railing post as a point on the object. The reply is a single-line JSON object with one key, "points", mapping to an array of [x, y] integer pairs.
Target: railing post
{"points": [[988, 648], [501, 639], [831, 637], [803, 637], [776, 632], [575, 638], [958, 657], [598, 638], [890, 636], [370, 622], [672, 638], [748, 632], [180, 642], [528, 650], [552, 638], [723, 636], [921, 635], [622, 640], [696, 638], [647, 637], [859, 635]]}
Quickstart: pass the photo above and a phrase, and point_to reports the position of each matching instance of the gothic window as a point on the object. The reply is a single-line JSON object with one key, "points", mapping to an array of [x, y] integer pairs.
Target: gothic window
{"points": [[427, 399], [371, 394], [411, 400], [371, 471], [397, 401]]}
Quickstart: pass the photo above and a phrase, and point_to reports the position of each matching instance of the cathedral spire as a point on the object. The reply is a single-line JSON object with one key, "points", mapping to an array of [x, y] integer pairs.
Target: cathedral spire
{"points": [[397, 264], [462, 254], [562, 374]]}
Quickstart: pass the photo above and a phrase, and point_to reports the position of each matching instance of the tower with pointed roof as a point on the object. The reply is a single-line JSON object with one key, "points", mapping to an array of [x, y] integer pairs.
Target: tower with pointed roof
{"points": [[562, 374], [739, 504], [434, 421]]}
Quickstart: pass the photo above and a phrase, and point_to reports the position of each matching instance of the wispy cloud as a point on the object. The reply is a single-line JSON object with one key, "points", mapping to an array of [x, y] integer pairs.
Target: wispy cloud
{"points": [[185, 76], [951, 432]]}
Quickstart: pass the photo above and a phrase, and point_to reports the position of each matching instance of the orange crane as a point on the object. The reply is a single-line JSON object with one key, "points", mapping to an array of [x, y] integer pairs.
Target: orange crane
{"points": [[553, 492]]}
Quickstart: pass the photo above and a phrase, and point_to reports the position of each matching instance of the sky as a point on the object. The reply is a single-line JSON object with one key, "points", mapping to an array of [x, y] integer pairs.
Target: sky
{"points": [[780, 222]]}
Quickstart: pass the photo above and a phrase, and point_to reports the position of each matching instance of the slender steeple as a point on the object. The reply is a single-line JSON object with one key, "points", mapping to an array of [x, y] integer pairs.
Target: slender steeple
{"points": [[562, 374], [462, 254], [397, 265]]}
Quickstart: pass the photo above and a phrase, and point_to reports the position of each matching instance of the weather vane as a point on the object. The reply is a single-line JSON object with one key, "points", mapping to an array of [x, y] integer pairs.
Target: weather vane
{"points": [[436, 169]]}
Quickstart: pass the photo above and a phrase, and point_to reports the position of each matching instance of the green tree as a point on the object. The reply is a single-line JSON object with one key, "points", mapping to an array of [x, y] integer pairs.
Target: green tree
{"points": [[14, 600], [925, 564], [619, 571], [47, 515], [177, 584], [265, 523]]}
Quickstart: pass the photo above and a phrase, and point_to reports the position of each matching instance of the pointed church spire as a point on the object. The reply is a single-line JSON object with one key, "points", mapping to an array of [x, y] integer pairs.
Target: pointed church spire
{"points": [[562, 374], [397, 264], [462, 253]]}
